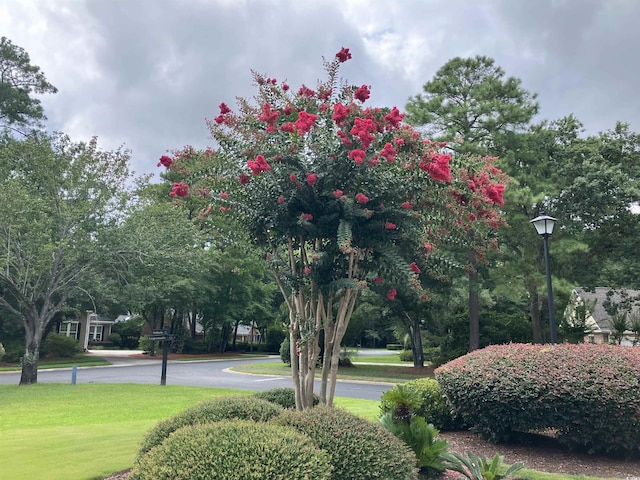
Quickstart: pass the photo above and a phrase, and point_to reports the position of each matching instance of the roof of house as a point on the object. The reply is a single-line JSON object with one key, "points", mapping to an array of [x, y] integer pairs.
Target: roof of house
{"points": [[246, 330], [601, 295]]}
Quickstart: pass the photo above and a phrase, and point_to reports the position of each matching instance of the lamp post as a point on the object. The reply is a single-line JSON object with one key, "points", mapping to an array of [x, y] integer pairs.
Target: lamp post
{"points": [[544, 226]]}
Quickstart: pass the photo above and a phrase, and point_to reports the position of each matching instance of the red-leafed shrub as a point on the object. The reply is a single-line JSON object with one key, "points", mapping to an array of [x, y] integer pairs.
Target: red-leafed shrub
{"points": [[590, 394]]}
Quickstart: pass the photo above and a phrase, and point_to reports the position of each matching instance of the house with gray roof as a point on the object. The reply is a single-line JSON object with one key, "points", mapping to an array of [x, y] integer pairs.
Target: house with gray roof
{"points": [[600, 303]]}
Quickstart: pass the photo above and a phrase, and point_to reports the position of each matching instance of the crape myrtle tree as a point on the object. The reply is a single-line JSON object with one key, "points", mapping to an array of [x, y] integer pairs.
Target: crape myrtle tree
{"points": [[59, 198], [339, 197]]}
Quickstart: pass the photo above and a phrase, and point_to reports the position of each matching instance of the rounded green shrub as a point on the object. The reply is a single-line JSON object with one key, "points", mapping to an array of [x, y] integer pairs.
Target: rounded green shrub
{"points": [[587, 393], [234, 450], [285, 352], [214, 410], [358, 448], [59, 345], [432, 405], [285, 397]]}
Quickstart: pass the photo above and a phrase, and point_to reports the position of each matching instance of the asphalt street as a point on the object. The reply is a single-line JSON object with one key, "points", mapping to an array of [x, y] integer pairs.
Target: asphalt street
{"points": [[209, 373]]}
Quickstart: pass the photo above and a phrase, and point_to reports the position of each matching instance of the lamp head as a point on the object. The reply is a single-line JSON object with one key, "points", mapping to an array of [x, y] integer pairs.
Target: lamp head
{"points": [[544, 224]]}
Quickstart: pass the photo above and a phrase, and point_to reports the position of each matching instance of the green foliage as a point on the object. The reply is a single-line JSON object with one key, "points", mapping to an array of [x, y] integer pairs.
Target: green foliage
{"points": [[2, 351], [58, 345], [285, 397], [359, 448], [422, 438], [234, 450], [285, 351], [214, 410], [587, 393], [275, 335], [476, 467], [423, 398], [493, 104], [129, 331], [19, 81], [394, 346], [406, 355]]}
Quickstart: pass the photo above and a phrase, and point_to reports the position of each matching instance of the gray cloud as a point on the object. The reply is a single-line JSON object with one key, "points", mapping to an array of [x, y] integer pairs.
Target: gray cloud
{"points": [[146, 73]]}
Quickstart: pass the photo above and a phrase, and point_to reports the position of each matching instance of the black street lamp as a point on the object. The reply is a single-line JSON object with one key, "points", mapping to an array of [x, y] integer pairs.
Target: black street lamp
{"points": [[544, 226]]}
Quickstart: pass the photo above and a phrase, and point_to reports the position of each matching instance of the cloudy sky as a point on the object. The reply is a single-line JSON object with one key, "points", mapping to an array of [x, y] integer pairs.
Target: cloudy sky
{"points": [[146, 73]]}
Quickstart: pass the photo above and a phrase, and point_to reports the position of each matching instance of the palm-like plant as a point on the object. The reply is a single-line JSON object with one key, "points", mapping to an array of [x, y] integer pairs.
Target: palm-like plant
{"points": [[476, 467]]}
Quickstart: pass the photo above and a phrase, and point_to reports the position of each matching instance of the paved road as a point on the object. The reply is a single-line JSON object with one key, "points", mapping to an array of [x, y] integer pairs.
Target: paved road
{"points": [[214, 373]]}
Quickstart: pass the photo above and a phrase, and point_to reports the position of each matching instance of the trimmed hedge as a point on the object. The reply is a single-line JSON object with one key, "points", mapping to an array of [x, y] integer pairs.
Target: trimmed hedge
{"points": [[234, 450], [433, 407], [285, 397], [358, 448], [214, 410], [588, 393]]}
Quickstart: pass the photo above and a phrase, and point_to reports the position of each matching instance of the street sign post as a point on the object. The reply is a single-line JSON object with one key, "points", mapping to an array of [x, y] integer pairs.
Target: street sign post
{"points": [[165, 337]]}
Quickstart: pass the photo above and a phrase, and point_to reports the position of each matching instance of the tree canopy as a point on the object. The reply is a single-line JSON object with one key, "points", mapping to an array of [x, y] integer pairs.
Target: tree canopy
{"points": [[19, 80]]}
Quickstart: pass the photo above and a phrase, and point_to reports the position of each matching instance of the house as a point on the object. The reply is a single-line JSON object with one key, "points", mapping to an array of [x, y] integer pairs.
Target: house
{"points": [[90, 328], [598, 320], [247, 334]]}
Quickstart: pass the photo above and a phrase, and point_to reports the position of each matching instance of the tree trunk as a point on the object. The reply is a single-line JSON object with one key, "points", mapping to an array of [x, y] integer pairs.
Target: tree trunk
{"points": [[534, 307], [31, 355], [416, 343], [474, 306]]}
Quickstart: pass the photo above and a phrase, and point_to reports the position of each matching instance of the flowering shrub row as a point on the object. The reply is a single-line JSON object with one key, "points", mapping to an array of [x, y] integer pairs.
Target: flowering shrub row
{"points": [[587, 393]]}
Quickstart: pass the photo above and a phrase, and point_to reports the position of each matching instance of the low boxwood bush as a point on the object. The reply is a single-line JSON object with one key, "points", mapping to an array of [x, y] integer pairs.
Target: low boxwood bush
{"points": [[285, 397], [234, 450], [587, 393], [358, 448], [214, 410], [432, 405]]}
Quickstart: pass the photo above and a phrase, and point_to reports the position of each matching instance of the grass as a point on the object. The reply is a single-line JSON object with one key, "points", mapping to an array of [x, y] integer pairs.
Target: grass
{"points": [[88, 431], [379, 373], [393, 358], [79, 360]]}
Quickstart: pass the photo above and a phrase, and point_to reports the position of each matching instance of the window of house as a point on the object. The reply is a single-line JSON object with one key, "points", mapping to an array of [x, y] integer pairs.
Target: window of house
{"points": [[69, 329], [95, 333]]}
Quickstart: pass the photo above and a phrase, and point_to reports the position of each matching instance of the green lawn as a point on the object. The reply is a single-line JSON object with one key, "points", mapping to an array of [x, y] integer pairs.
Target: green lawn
{"points": [[88, 431], [80, 360], [379, 373]]}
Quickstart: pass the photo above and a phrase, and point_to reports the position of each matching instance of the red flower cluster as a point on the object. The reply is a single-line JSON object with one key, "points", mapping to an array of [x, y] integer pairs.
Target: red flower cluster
{"points": [[406, 205], [338, 193], [361, 198], [362, 93], [224, 109], [258, 165], [244, 179], [180, 189], [304, 122], [391, 294], [165, 161], [363, 128], [378, 280], [306, 92], [312, 178], [389, 152], [307, 216], [390, 226], [357, 155], [343, 55], [270, 116], [437, 166], [340, 113], [414, 267], [394, 118]]}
